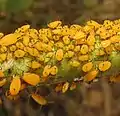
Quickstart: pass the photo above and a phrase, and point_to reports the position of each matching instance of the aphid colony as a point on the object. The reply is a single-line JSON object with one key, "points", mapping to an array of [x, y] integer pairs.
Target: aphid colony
{"points": [[59, 52]]}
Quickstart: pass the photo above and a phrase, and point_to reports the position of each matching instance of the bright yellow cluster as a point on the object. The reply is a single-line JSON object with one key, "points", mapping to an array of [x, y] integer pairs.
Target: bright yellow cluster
{"points": [[59, 48]]}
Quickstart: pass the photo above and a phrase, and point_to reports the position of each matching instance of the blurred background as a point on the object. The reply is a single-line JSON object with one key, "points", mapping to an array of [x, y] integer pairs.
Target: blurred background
{"points": [[97, 99]]}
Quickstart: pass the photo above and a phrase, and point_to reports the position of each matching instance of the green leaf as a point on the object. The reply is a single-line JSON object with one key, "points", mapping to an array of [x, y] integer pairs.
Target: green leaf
{"points": [[15, 6]]}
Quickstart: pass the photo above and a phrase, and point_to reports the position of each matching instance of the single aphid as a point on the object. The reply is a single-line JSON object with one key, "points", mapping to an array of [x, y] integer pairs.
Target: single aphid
{"points": [[79, 35], [3, 56], [105, 43], [66, 40], [19, 53], [54, 24], [104, 66], [115, 39], [54, 70], [3, 49], [73, 86], [12, 48], [59, 54], [87, 67], [15, 85], [83, 57], [26, 40], [75, 63], [20, 45], [70, 54], [25, 28], [90, 40], [65, 87], [39, 99], [31, 78], [46, 71], [35, 65], [90, 76], [84, 49], [8, 40]]}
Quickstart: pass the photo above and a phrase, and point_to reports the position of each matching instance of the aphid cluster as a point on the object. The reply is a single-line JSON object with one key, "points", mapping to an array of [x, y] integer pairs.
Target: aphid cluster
{"points": [[59, 52]]}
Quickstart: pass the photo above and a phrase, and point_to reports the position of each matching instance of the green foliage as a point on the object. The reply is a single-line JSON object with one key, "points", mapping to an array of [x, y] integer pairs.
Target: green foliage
{"points": [[14, 6]]}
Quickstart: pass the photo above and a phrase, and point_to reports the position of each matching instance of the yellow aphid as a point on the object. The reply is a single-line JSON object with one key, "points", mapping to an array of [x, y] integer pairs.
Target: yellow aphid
{"points": [[65, 87], [59, 44], [51, 43], [71, 47], [84, 49], [107, 23], [56, 31], [39, 46], [20, 45], [105, 43], [90, 75], [12, 48], [1, 35], [79, 35], [3, 56], [26, 40], [9, 40], [3, 82], [83, 57], [109, 49], [33, 41], [19, 53], [49, 54], [66, 40], [46, 71], [91, 48], [87, 67], [31, 78], [87, 28], [93, 23], [73, 86], [117, 46], [39, 99], [105, 65], [41, 58], [77, 48], [56, 37], [9, 55], [54, 24], [75, 63], [48, 48], [44, 38], [90, 40], [1, 74], [65, 31], [115, 39], [25, 28], [80, 41], [15, 86], [59, 54], [3, 49], [33, 51], [35, 64], [70, 54], [75, 26], [100, 52], [53, 70], [58, 88]]}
